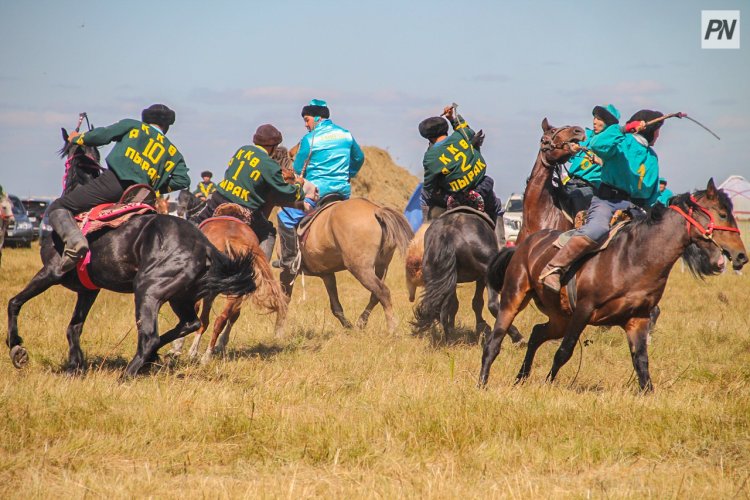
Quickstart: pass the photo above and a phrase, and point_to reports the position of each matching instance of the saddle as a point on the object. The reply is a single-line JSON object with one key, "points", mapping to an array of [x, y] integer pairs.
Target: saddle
{"points": [[468, 210], [325, 202], [230, 211], [136, 200]]}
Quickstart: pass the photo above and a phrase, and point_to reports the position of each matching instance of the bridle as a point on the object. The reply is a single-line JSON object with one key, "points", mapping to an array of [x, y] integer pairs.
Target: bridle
{"points": [[547, 144], [707, 231]]}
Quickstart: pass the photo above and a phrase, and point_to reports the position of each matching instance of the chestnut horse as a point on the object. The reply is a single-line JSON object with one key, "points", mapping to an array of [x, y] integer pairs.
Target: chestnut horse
{"points": [[618, 286], [234, 237]]}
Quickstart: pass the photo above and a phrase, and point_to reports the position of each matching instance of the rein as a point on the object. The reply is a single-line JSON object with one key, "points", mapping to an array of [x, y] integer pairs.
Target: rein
{"points": [[706, 232], [547, 144]]}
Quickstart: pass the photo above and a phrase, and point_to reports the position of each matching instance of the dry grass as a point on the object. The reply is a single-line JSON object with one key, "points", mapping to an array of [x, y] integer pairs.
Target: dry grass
{"points": [[329, 412]]}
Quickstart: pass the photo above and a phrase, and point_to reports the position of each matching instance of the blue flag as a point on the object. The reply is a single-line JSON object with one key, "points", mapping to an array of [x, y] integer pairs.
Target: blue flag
{"points": [[413, 210]]}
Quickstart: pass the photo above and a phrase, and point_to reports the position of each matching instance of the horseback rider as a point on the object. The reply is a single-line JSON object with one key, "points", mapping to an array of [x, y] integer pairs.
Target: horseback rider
{"points": [[454, 170], [253, 180], [664, 194], [205, 186], [142, 155], [585, 170], [628, 177], [328, 157]]}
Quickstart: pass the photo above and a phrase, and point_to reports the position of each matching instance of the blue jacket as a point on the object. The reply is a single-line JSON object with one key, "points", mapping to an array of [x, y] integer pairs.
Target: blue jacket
{"points": [[582, 163], [664, 197], [630, 164], [336, 157]]}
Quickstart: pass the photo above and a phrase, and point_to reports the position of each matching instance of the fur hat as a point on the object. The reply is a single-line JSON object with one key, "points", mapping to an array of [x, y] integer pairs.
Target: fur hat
{"points": [[206, 173], [433, 127], [158, 114], [608, 114], [646, 115], [317, 107], [267, 135]]}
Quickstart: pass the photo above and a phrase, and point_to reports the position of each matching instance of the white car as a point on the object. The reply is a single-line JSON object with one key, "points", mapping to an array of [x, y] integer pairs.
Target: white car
{"points": [[513, 216]]}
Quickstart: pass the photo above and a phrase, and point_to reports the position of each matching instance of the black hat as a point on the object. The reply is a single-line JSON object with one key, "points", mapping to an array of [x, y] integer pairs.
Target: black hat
{"points": [[206, 173], [433, 127], [646, 115], [267, 135], [158, 114], [606, 115], [317, 107]]}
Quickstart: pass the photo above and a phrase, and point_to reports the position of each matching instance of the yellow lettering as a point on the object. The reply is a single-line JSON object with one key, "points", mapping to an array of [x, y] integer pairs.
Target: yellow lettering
{"points": [[237, 191], [245, 194], [445, 171], [160, 138], [453, 186], [462, 156], [169, 165], [229, 186], [249, 154], [130, 153], [452, 149], [641, 175], [152, 173], [255, 175], [133, 133], [172, 150], [237, 172], [239, 154], [462, 183], [254, 162], [470, 175], [444, 159], [137, 159], [145, 165], [464, 144], [480, 164], [144, 127], [154, 151]]}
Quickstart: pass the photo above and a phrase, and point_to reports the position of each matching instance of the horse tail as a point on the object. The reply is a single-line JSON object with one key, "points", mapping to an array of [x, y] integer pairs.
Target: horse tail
{"points": [[229, 274], [413, 261], [440, 279], [269, 296], [396, 229], [496, 269]]}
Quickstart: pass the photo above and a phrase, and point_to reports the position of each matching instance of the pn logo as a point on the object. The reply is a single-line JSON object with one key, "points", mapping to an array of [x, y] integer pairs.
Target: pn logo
{"points": [[720, 29]]}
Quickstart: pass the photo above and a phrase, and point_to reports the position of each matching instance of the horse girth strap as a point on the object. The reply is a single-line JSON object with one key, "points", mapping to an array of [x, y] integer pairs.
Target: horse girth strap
{"points": [[705, 232]]}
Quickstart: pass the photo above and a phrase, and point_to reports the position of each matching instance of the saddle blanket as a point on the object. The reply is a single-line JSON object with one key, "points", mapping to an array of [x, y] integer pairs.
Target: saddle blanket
{"points": [[110, 215]]}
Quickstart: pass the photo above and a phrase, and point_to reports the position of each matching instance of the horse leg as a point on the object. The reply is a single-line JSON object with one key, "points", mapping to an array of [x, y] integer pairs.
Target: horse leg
{"points": [[477, 304], [223, 323], [380, 273], [83, 306], [638, 330], [572, 333], [205, 316], [329, 280], [370, 280], [44, 279], [187, 323], [493, 304], [511, 303], [448, 313], [146, 315], [653, 318], [539, 335]]}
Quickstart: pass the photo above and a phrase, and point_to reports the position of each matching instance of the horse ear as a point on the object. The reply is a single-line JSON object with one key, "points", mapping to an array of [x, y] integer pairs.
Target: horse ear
{"points": [[711, 189], [545, 125], [64, 134]]}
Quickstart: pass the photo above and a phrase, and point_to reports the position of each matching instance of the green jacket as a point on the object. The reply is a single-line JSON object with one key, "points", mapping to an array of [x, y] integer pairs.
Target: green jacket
{"points": [[453, 164], [253, 178], [142, 153]]}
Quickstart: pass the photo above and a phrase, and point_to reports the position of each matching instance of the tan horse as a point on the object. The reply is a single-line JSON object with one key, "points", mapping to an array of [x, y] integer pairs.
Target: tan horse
{"points": [[232, 238], [359, 236], [413, 262]]}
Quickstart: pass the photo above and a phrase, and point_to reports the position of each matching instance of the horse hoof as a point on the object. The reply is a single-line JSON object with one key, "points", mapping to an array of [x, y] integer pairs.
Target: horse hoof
{"points": [[19, 356]]}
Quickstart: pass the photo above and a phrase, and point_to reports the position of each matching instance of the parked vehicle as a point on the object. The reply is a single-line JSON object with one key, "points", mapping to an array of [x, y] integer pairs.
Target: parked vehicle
{"points": [[20, 232], [45, 229], [513, 217], [35, 207]]}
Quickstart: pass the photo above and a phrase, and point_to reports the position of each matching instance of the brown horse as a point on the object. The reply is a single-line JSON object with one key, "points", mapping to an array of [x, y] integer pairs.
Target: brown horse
{"points": [[618, 286], [541, 209], [359, 236], [234, 237]]}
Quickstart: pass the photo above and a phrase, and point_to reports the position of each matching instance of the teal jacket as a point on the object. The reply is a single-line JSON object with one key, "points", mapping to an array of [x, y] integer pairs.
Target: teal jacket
{"points": [[664, 197], [582, 163], [335, 157], [630, 164]]}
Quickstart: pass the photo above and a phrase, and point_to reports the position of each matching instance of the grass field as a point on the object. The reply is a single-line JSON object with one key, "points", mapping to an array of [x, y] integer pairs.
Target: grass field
{"points": [[334, 413]]}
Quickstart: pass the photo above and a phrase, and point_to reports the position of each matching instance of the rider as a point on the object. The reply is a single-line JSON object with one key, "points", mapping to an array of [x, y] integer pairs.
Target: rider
{"points": [[454, 168], [664, 193], [253, 180], [629, 175], [328, 157], [585, 170], [142, 155], [205, 186]]}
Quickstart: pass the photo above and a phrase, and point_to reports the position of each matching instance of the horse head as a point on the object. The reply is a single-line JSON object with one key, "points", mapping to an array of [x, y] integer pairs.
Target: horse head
{"points": [[82, 163], [555, 142], [713, 230]]}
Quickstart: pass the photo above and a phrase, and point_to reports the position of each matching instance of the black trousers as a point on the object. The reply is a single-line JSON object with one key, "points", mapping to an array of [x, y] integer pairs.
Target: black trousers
{"points": [[107, 188]]}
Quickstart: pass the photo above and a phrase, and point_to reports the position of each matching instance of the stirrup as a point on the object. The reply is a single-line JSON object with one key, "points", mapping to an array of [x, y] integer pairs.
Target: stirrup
{"points": [[549, 272]]}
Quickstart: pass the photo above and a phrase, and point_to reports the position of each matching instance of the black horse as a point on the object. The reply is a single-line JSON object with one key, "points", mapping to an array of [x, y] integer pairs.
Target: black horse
{"points": [[188, 204], [156, 257], [458, 247]]}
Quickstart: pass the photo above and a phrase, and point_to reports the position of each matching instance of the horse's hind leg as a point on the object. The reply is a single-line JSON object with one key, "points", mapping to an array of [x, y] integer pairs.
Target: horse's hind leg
{"points": [[380, 271], [448, 313], [477, 304], [541, 333], [146, 315], [83, 306], [222, 327], [44, 279], [493, 304], [205, 316], [377, 287], [329, 280], [572, 333], [638, 330]]}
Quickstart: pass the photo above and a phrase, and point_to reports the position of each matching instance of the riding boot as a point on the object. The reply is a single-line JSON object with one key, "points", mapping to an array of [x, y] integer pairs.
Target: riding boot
{"points": [[575, 248], [500, 231], [267, 245], [76, 245], [288, 256]]}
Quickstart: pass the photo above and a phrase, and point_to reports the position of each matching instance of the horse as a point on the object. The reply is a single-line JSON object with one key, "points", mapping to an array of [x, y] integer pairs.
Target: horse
{"points": [[156, 257], [458, 247], [541, 206], [413, 262], [235, 237], [618, 286], [361, 237]]}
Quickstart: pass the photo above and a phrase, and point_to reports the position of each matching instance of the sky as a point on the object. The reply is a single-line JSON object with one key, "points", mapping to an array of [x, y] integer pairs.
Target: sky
{"points": [[227, 67]]}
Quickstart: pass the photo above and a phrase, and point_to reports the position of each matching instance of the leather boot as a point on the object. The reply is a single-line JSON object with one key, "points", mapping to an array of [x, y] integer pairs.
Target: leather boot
{"points": [[288, 250], [76, 245], [576, 247], [500, 231]]}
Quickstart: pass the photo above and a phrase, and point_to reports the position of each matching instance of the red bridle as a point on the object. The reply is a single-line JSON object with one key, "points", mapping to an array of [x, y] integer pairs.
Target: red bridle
{"points": [[706, 232]]}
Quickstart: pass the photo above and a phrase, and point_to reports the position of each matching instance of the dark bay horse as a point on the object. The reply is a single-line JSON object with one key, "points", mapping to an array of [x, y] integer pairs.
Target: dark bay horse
{"points": [[618, 286], [541, 208], [158, 258]]}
